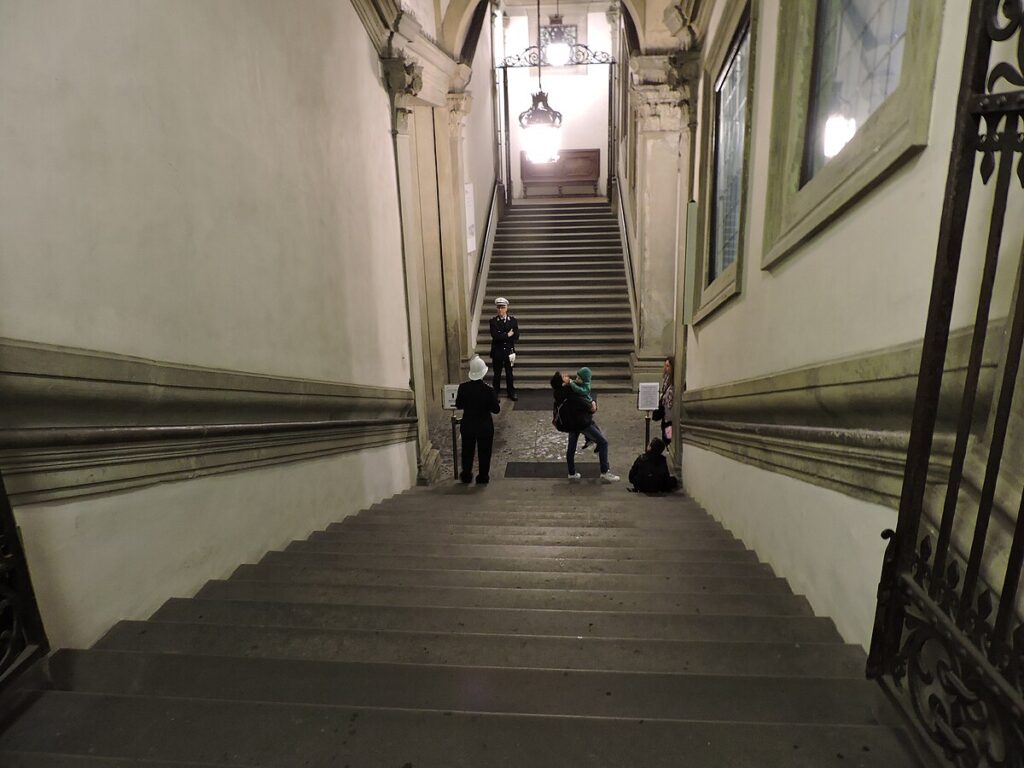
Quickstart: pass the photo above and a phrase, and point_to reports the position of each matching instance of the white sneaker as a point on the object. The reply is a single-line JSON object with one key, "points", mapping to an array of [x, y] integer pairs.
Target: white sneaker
{"points": [[576, 477], [608, 477]]}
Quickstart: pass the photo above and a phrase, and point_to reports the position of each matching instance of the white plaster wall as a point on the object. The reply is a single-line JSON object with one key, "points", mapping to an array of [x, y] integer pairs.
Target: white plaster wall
{"points": [[120, 556], [200, 182], [863, 283], [827, 545], [581, 98], [479, 146]]}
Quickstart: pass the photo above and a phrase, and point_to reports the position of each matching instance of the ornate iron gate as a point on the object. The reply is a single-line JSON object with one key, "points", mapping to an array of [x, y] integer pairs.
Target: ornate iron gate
{"points": [[948, 646], [22, 639]]}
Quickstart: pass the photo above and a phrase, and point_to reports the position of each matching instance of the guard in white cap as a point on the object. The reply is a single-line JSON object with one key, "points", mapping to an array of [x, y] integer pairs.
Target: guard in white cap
{"points": [[504, 335], [477, 402]]}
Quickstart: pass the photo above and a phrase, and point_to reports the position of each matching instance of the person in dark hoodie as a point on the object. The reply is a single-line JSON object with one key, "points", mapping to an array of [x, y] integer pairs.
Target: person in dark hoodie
{"points": [[649, 473], [477, 401], [573, 413]]}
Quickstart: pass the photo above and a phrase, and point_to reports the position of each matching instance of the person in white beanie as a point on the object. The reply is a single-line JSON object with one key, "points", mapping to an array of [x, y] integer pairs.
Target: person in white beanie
{"points": [[477, 401], [504, 335]]}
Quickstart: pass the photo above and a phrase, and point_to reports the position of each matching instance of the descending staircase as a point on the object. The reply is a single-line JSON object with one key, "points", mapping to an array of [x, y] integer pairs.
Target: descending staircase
{"points": [[549, 627], [561, 267]]}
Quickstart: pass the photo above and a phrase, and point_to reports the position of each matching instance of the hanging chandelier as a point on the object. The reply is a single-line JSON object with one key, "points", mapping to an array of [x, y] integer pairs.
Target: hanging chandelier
{"points": [[558, 50], [540, 122]]}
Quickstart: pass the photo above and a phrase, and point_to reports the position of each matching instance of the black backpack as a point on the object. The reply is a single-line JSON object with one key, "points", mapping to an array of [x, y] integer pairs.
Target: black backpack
{"points": [[649, 475]]}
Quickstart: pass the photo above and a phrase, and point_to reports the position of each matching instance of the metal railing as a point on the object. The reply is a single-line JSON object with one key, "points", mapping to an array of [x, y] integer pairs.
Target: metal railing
{"points": [[948, 642], [22, 639]]}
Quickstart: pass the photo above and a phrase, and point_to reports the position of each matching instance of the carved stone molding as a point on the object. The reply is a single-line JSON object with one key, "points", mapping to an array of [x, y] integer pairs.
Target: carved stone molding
{"points": [[459, 106], [650, 69], [402, 77], [659, 108], [78, 422]]}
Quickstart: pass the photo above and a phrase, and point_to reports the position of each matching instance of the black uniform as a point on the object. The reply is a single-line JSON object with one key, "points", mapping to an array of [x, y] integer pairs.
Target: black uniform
{"points": [[502, 345], [477, 401]]}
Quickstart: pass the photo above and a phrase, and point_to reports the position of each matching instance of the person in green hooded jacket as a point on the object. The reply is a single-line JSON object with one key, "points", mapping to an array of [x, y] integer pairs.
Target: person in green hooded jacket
{"points": [[581, 388]]}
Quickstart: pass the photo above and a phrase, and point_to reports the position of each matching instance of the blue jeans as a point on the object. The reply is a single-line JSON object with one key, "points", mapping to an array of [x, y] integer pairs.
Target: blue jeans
{"points": [[594, 433]]}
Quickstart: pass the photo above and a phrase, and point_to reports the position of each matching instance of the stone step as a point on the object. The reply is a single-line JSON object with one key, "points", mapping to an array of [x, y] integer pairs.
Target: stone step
{"points": [[567, 302], [231, 733], [553, 317], [720, 567], [548, 282], [679, 529], [500, 621], [747, 604], [502, 272], [603, 227], [306, 568], [564, 350], [480, 512], [474, 689], [637, 540], [581, 241], [825, 660], [724, 550], [538, 290], [652, 571], [51, 760]]}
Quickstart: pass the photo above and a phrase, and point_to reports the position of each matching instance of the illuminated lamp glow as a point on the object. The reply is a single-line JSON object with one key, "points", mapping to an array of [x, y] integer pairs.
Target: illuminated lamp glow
{"points": [[838, 132], [558, 53]]}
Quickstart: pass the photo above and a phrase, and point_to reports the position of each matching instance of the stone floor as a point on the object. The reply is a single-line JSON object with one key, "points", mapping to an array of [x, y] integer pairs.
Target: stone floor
{"points": [[529, 436]]}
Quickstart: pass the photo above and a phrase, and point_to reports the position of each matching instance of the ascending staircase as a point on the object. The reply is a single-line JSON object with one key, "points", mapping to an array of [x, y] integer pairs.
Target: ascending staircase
{"points": [[542, 628], [561, 267]]}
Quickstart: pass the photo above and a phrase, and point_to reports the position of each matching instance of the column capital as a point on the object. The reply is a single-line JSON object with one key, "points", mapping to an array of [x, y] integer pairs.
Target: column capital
{"points": [[459, 106]]}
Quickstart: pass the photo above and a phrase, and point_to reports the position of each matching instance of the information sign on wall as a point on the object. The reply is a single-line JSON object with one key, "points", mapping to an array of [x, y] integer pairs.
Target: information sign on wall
{"points": [[448, 395], [648, 397]]}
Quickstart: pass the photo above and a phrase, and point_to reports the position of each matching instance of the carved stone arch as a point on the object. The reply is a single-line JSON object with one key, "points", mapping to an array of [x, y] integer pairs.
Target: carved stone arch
{"points": [[456, 23], [459, 14]]}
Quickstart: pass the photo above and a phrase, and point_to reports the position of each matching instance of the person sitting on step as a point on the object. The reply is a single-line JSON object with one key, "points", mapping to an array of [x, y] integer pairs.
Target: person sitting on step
{"points": [[649, 473]]}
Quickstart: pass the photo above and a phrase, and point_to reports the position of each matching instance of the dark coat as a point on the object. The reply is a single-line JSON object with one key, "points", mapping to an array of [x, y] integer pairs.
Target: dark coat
{"points": [[574, 415], [477, 401], [649, 474], [501, 343]]}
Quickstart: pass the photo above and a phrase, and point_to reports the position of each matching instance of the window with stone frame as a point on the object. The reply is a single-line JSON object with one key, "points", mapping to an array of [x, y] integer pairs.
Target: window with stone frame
{"points": [[729, 158], [858, 59], [726, 102], [852, 97]]}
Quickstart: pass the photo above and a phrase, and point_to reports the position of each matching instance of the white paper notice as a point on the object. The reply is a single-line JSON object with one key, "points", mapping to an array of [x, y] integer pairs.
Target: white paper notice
{"points": [[647, 397], [448, 396]]}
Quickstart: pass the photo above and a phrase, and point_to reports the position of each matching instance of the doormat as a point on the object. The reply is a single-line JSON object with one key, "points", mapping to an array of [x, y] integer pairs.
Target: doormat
{"points": [[534, 400], [549, 469]]}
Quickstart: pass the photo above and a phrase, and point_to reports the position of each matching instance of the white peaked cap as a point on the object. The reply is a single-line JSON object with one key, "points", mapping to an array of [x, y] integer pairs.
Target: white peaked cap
{"points": [[501, 301]]}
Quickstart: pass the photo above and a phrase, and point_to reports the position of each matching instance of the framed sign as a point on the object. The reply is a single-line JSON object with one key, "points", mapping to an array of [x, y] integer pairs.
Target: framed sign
{"points": [[448, 395], [648, 396]]}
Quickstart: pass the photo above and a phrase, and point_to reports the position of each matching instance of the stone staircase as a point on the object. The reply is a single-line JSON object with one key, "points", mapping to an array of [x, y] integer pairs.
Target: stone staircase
{"points": [[561, 267], [547, 626]]}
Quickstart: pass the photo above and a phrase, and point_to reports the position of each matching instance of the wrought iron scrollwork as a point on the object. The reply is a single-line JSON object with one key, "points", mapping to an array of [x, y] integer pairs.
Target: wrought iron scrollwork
{"points": [[1013, 12], [579, 55], [21, 631], [953, 699]]}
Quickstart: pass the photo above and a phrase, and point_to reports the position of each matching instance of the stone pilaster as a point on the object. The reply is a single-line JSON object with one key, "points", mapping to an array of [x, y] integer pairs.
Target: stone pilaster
{"points": [[402, 80], [660, 115]]}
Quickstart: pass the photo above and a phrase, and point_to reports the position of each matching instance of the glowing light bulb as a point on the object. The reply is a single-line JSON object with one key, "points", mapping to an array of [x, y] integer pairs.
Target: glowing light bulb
{"points": [[558, 54], [542, 143], [838, 132]]}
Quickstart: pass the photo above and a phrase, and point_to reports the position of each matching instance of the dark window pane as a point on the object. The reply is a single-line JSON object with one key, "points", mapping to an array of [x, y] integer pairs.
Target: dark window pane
{"points": [[729, 151]]}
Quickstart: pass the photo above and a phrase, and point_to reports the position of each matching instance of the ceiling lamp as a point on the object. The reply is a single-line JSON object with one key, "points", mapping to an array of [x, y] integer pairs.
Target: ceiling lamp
{"points": [[558, 52], [540, 122]]}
